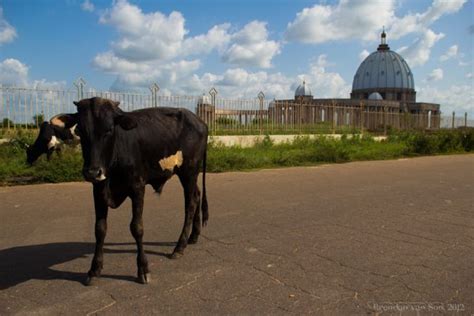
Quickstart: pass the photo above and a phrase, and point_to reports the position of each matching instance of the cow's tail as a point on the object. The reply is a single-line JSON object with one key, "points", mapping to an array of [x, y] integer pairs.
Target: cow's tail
{"points": [[204, 206]]}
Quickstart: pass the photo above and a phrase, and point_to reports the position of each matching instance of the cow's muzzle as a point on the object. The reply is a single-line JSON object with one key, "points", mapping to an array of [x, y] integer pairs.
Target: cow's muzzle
{"points": [[94, 174]]}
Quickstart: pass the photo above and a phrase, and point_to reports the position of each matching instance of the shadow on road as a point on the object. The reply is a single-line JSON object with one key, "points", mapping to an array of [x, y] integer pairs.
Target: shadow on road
{"points": [[21, 264]]}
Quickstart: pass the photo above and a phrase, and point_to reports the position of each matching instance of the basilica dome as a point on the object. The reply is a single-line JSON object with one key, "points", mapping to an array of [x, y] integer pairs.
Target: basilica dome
{"points": [[303, 90], [386, 72]]}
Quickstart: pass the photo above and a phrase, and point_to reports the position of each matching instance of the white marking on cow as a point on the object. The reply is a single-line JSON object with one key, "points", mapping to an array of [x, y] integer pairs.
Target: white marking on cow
{"points": [[73, 132], [53, 142], [102, 177], [172, 161], [56, 121]]}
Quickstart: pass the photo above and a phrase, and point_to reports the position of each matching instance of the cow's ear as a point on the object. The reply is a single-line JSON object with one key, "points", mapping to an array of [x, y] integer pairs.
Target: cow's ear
{"points": [[64, 120], [126, 122]]}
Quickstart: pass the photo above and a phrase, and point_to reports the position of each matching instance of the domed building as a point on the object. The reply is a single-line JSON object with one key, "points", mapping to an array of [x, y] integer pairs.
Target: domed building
{"points": [[385, 72], [303, 92], [383, 90]]}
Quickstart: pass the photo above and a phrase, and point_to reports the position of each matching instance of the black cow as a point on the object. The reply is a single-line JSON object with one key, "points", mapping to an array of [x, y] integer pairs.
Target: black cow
{"points": [[124, 151], [48, 139]]}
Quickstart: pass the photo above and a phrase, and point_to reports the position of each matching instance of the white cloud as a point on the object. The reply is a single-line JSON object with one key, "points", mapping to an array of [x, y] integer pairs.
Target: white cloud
{"points": [[458, 98], [155, 36], [417, 22], [418, 53], [7, 32], [15, 73], [88, 6], [144, 36], [325, 84], [435, 75], [216, 38], [169, 74], [154, 47], [440, 8], [346, 20], [450, 53], [251, 47], [363, 54], [238, 83], [110, 63], [469, 75], [44, 84], [354, 20]]}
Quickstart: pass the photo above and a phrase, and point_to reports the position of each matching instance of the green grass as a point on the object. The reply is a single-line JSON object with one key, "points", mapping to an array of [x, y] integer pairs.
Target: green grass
{"points": [[302, 152]]}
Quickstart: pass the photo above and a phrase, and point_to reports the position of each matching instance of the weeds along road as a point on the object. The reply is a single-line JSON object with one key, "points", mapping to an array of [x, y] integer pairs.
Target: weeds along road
{"points": [[354, 238]]}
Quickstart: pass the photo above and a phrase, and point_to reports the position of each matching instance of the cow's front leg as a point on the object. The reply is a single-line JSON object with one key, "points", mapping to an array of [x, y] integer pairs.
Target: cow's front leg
{"points": [[49, 153], [136, 227], [101, 210], [59, 151]]}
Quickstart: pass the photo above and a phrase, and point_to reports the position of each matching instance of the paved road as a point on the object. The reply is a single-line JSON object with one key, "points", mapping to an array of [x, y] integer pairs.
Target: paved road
{"points": [[342, 239]]}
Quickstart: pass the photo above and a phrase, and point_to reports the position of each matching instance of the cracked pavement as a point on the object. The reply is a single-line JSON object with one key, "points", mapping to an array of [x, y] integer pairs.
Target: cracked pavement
{"points": [[344, 239]]}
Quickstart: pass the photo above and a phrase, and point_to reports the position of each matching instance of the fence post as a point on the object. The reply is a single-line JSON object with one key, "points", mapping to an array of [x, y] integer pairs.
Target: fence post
{"points": [[454, 117], [261, 97], [154, 88], [299, 113], [213, 94], [465, 119], [361, 117], [80, 84], [333, 105], [385, 120]]}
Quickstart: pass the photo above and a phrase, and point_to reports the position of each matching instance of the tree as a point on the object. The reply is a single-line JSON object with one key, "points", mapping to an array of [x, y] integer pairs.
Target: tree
{"points": [[38, 119], [7, 123]]}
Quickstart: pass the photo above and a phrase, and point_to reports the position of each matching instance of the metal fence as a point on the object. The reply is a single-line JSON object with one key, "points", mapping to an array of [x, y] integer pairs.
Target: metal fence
{"points": [[27, 108]]}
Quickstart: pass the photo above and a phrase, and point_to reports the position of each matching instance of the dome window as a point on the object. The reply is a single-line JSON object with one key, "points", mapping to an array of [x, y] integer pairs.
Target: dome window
{"points": [[398, 72], [367, 73], [375, 96], [382, 73]]}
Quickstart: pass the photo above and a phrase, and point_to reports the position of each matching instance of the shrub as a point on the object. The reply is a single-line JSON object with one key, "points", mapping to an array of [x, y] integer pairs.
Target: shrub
{"points": [[265, 154]]}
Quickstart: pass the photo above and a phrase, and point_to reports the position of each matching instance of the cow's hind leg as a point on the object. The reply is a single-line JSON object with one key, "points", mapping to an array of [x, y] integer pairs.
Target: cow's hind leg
{"points": [[188, 180], [136, 228], [101, 210], [197, 219]]}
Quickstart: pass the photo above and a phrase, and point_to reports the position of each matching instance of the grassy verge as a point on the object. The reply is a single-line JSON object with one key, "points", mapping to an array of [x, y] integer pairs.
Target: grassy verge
{"points": [[302, 152]]}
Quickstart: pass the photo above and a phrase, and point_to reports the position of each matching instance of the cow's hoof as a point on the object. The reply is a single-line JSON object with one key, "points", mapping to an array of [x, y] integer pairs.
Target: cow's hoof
{"points": [[193, 239], [176, 255], [144, 278], [91, 280]]}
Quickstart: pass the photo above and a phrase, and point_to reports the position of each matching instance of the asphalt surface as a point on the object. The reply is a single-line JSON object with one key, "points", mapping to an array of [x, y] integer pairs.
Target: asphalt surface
{"points": [[351, 239]]}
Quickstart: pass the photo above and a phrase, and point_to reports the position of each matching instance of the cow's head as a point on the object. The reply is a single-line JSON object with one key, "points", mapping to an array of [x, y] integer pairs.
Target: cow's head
{"points": [[97, 121], [44, 143]]}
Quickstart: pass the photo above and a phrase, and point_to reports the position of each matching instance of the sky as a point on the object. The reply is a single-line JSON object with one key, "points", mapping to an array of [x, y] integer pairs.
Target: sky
{"points": [[239, 47]]}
